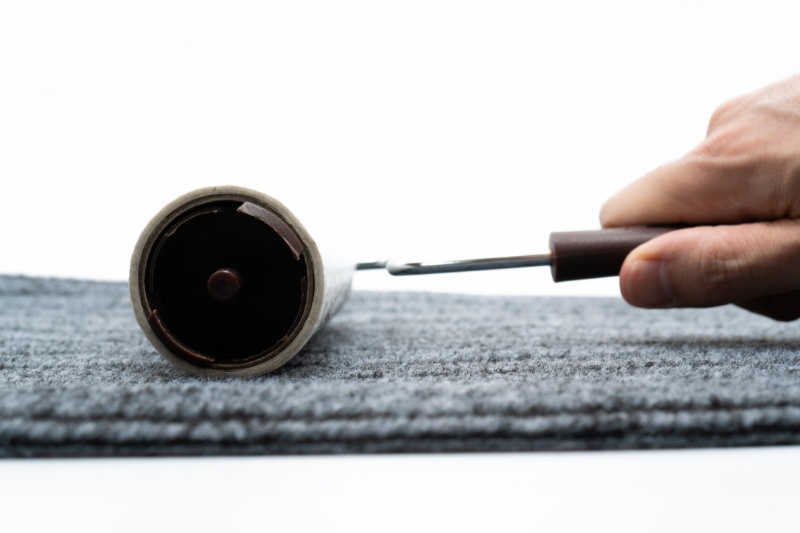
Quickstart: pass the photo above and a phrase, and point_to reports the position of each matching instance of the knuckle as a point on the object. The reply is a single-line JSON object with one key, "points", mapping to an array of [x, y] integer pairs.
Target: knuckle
{"points": [[723, 111], [721, 272], [720, 143]]}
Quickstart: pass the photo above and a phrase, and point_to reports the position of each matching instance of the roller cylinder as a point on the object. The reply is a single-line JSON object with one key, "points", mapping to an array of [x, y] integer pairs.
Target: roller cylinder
{"points": [[226, 281]]}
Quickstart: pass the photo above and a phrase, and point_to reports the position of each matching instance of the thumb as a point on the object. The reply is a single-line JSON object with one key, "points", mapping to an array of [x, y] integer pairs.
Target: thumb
{"points": [[714, 265]]}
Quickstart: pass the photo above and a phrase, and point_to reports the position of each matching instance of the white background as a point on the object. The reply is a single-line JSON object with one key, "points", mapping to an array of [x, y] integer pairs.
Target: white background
{"points": [[416, 129]]}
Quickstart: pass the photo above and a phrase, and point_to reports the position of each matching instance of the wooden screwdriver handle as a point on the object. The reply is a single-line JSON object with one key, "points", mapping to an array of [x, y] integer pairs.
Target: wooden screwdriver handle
{"points": [[598, 253]]}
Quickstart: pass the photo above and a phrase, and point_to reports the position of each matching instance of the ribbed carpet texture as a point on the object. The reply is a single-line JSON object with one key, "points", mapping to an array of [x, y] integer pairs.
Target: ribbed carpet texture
{"points": [[399, 372]]}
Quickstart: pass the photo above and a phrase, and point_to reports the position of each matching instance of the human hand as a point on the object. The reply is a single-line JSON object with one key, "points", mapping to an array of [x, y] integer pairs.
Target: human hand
{"points": [[740, 188]]}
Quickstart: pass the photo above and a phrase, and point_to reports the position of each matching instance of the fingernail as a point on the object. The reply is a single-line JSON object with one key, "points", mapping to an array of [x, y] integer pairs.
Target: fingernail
{"points": [[646, 284]]}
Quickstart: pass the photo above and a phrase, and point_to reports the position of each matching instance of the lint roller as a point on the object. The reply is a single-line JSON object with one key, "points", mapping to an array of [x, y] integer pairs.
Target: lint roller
{"points": [[226, 281]]}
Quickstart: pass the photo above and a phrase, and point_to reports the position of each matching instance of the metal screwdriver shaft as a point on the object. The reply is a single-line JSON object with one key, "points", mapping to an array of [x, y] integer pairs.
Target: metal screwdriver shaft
{"points": [[572, 255], [461, 265], [468, 265]]}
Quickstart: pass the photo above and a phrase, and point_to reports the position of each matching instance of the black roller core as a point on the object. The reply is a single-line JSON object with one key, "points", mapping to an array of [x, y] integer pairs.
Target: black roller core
{"points": [[226, 284]]}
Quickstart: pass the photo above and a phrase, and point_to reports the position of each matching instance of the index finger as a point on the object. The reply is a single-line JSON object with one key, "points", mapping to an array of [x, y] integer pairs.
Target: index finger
{"points": [[699, 189]]}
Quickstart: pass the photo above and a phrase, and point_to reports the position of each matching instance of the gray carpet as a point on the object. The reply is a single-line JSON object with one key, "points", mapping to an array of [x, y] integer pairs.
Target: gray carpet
{"points": [[399, 372]]}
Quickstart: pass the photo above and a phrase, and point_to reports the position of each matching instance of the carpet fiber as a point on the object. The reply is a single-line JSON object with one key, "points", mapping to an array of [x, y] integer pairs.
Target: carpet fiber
{"points": [[399, 372]]}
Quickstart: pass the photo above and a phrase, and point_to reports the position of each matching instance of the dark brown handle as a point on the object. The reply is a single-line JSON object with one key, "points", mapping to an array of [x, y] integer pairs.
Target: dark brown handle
{"points": [[598, 253]]}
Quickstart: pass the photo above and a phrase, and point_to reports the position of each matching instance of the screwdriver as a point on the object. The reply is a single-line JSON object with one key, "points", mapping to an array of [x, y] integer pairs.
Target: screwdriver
{"points": [[573, 255]]}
